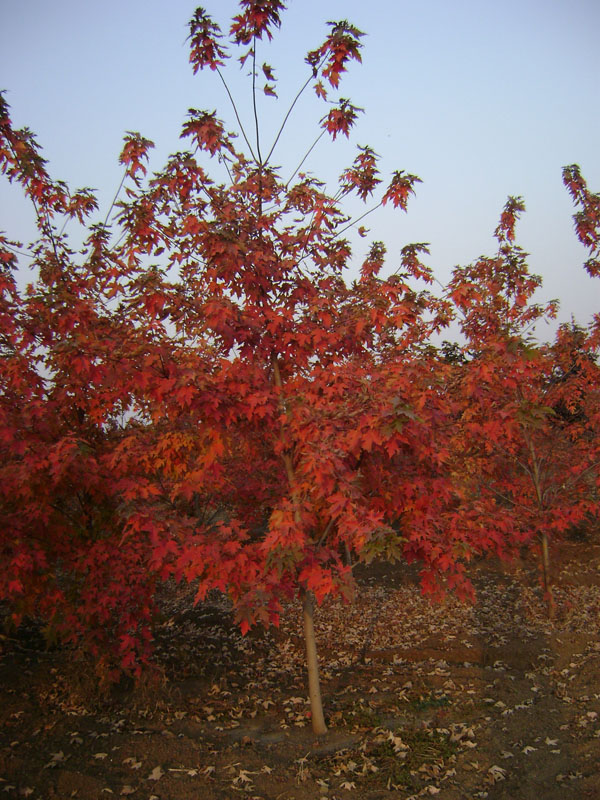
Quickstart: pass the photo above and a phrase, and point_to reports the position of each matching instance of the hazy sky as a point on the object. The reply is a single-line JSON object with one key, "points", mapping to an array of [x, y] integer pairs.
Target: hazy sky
{"points": [[480, 98]]}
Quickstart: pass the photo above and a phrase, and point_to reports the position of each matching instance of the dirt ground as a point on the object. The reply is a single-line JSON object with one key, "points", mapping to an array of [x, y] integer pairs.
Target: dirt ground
{"points": [[486, 701]]}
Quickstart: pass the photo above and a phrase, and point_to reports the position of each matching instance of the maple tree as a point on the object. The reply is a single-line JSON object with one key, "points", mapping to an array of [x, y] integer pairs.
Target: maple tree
{"points": [[528, 431], [69, 367], [587, 228], [202, 394]]}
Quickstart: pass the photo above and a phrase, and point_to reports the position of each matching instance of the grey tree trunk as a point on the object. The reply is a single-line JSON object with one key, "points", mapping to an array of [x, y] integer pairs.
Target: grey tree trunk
{"points": [[546, 574], [314, 686]]}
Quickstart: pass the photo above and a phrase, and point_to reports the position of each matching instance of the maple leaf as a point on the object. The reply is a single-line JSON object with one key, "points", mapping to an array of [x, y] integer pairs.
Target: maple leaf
{"points": [[258, 17], [342, 45], [134, 153], [204, 38], [341, 119], [400, 188], [320, 90], [268, 72], [206, 130]]}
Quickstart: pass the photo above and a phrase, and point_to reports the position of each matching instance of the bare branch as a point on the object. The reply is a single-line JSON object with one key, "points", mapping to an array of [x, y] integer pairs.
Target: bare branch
{"points": [[237, 116]]}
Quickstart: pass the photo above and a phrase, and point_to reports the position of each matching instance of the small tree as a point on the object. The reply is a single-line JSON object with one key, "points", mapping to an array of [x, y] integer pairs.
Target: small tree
{"points": [[587, 228], [528, 432], [214, 359], [324, 385]]}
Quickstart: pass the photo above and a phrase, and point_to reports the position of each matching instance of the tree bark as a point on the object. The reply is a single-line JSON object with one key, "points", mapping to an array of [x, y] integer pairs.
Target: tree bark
{"points": [[546, 573], [314, 687], [536, 475]]}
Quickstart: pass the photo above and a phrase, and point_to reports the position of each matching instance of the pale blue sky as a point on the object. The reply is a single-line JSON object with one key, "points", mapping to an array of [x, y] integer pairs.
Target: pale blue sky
{"points": [[480, 98]]}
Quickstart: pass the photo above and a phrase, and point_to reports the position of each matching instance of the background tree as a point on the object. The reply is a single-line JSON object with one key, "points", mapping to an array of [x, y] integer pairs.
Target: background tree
{"points": [[528, 433]]}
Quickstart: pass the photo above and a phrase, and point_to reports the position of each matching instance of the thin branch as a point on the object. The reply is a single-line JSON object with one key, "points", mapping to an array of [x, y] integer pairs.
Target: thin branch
{"points": [[573, 481], [254, 102], [223, 160], [46, 225], [117, 193], [287, 116], [237, 116], [47, 228], [511, 456], [17, 251], [326, 531], [306, 155], [358, 219], [510, 500], [64, 225], [535, 474], [285, 119], [68, 516]]}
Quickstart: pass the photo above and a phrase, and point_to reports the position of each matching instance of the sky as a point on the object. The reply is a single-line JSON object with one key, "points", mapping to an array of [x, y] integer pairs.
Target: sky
{"points": [[479, 98]]}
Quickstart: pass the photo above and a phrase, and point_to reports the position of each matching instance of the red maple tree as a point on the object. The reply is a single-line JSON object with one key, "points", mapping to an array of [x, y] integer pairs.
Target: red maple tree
{"points": [[202, 393], [528, 427]]}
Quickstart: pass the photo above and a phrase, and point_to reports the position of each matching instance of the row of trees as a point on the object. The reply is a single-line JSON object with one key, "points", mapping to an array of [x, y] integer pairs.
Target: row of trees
{"points": [[200, 394]]}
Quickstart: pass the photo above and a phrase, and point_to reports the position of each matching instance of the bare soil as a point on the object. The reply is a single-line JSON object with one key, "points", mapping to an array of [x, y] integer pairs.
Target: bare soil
{"points": [[485, 701]]}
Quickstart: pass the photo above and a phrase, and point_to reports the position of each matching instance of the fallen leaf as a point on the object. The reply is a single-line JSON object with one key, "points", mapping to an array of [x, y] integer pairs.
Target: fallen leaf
{"points": [[496, 773], [56, 758], [156, 774], [243, 776], [132, 762]]}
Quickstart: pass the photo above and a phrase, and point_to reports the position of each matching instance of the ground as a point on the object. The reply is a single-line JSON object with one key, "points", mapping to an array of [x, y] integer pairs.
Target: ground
{"points": [[485, 701]]}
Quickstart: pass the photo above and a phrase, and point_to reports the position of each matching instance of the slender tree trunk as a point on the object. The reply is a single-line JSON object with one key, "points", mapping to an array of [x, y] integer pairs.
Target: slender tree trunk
{"points": [[314, 686], [536, 474], [308, 603], [546, 574]]}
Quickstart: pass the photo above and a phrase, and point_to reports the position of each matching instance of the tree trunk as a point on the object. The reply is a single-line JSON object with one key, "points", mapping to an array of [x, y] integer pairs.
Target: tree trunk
{"points": [[546, 573], [308, 602], [314, 687]]}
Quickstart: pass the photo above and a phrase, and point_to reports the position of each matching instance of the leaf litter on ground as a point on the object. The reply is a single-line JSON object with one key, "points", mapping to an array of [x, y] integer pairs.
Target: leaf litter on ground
{"points": [[420, 698]]}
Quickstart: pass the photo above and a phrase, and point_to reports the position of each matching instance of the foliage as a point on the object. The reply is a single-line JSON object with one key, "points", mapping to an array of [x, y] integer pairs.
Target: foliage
{"points": [[528, 434], [202, 394]]}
